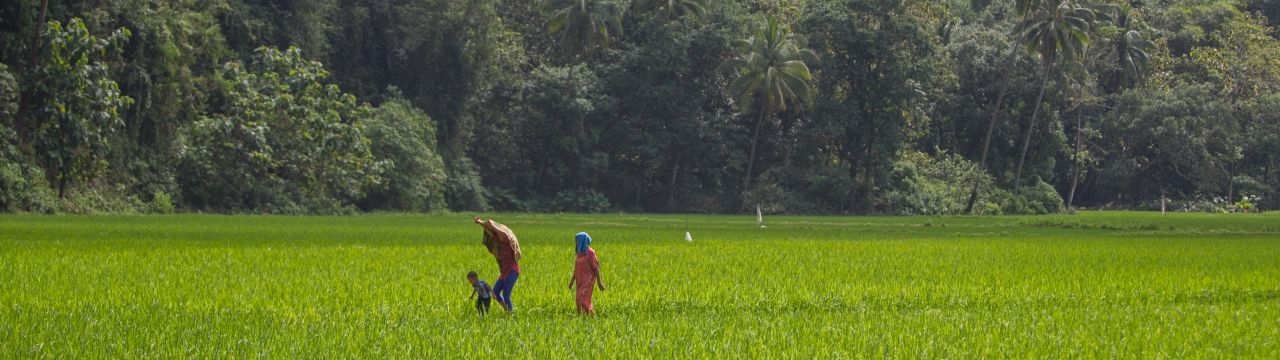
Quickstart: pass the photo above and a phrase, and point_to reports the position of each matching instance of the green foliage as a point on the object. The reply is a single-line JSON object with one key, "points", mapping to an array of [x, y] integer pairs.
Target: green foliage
{"points": [[413, 178], [1038, 198], [672, 8], [1174, 139], [463, 190], [22, 184], [75, 104], [1056, 29], [1125, 42], [580, 201], [283, 142], [584, 25], [8, 97], [560, 134], [875, 80], [102, 199], [1246, 204], [771, 67], [161, 203], [938, 185]]}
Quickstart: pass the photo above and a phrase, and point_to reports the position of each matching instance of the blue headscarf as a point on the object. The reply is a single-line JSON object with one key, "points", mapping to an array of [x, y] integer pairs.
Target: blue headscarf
{"points": [[584, 240]]}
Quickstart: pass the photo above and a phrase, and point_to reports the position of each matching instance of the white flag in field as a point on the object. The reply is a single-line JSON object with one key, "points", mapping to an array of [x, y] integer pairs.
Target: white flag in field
{"points": [[759, 216], [688, 237]]}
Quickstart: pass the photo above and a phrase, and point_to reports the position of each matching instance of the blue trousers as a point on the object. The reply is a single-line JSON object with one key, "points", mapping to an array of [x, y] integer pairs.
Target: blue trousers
{"points": [[502, 289]]}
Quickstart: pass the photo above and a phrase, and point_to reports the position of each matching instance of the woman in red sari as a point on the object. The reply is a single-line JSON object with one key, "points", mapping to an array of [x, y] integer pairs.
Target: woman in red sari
{"points": [[504, 246]]}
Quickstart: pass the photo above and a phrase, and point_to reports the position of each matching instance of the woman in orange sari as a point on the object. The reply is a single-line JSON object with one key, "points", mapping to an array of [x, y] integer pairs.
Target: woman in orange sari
{"points": [[586, 273]]}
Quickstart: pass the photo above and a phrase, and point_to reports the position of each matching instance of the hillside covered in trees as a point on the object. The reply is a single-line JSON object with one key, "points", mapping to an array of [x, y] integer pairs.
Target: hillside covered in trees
{"points": [[800, 106]]}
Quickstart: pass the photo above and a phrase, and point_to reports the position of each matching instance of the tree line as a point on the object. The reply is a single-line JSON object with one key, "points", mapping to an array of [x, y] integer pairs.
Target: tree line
{"points": [[798, 106]]}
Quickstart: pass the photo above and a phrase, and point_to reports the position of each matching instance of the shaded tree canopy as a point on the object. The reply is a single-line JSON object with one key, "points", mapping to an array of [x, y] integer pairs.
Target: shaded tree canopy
{"points": [[810, 106]]}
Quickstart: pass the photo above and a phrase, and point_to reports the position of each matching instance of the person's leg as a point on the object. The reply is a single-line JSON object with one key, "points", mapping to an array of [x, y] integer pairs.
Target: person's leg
{"points": [[506, 290], [499, 287], [480, 306]]}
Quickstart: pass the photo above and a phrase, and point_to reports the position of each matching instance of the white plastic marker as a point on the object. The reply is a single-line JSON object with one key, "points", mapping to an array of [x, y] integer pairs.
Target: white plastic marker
{"points": [[759, 217], [688, 237]]}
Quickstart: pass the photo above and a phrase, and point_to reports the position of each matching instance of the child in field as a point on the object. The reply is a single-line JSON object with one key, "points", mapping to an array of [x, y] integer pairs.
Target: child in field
{"points": [[586, 272], [481, 291]]}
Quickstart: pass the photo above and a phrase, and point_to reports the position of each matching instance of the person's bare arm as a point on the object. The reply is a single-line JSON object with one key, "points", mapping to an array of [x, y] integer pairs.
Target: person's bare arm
{"points": [[599, 280]]}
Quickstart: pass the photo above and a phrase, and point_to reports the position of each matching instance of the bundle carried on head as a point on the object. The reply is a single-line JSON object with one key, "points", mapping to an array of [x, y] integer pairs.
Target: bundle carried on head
{"points": [[504, 232]]}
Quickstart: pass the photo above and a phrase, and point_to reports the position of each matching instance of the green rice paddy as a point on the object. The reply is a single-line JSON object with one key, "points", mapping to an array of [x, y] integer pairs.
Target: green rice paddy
{"points": [[1115, 285]]}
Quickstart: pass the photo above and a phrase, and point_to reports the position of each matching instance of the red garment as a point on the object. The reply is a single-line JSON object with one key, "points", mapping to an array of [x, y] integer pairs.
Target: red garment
{"points": [[584, 273], [507, 262]]}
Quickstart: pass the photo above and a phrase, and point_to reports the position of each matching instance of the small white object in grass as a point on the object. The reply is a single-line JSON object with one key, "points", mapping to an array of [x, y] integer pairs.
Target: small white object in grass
{"points": [[688, 237]]}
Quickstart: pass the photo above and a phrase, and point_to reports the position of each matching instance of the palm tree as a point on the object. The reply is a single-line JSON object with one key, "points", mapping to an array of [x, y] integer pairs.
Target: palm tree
{"points": [[770, 68], [1057, 30], [1023, 9], [1080, 96], [585, 24], [1129, 51], [673, 7]]}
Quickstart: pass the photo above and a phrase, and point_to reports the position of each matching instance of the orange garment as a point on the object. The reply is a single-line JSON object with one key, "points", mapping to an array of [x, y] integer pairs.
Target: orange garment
{"points": [[585, 268]]}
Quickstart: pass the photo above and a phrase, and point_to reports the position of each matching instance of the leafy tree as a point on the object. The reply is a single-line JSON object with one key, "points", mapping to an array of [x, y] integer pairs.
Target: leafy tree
{"points": [[75, 106], [877, 72], [561, 133], [23, 186], [282, 142], [8, 97], [413, 178], [770, 70], [663, 142], [1173, 143]]}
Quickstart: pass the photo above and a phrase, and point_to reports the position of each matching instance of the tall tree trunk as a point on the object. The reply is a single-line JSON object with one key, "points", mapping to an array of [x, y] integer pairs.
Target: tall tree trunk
{"points": [[751, 159], [1231, 184], [868, 169], [1026, 141], [33, 58], [1075, 166], [991, 126], [671, 187], [35, 38]]}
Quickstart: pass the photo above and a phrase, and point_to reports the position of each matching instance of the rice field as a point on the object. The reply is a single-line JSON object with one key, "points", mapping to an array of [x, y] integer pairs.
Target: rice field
{"points": [[1114, 285]]}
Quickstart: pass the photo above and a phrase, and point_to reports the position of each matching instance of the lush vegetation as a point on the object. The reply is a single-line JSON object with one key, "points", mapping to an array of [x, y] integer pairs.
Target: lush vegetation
{"points": [[801, 106], [1128, 285]]}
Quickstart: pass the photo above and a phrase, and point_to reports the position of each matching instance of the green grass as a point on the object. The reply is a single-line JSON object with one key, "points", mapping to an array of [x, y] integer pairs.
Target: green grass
{"points": [[1129, 285]]}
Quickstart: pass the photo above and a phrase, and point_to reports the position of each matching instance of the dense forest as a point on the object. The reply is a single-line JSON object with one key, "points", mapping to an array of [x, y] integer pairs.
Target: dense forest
{"points": [[798, 106]]}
